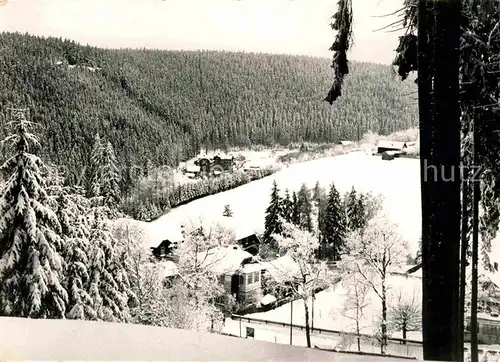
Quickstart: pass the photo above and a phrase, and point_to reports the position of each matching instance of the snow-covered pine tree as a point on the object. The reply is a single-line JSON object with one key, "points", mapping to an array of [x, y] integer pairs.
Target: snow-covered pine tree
{"points": [[317, 193], [350, 202], [361, 213], [322, 204], [227, 211], [272, 222], [335, 226], [72, 209], [110, 181], [287, 207], [30, 263], [295, 209], [355, 211], [106, 285], [305, 208], [72, 212], [96, 163]]}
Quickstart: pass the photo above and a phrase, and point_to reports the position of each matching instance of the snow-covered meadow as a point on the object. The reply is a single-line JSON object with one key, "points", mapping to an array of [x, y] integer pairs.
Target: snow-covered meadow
{"points": [[398, 181]]}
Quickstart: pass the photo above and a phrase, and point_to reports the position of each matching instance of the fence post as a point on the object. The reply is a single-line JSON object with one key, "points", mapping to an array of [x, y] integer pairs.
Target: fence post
{"points": [[291, 321], [240, 327]]}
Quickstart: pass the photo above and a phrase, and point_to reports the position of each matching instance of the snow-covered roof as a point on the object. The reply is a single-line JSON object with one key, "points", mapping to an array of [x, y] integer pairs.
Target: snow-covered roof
{"points": [[75, 340], [392, 153], [282, 268], [241, 230], [224, 156], [169, 269], [193, 168], [489, 317], [157, 233], [391, 144], [172, 230], [268, 299], [225, 260], [252, 267]]}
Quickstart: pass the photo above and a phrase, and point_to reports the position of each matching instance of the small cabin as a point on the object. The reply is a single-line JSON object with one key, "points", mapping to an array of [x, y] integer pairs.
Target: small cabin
{"points": [[238, 272], [164, 250], [225, 161], [384, 146], [204, 164]]}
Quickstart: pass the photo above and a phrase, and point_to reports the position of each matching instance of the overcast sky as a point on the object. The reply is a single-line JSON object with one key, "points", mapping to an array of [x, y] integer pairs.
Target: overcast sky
{"points": [[276, 26]]}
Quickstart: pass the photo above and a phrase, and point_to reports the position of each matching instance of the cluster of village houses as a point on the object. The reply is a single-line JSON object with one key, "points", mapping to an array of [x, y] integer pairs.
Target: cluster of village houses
{"points": [[213, 166], [240, 271]]}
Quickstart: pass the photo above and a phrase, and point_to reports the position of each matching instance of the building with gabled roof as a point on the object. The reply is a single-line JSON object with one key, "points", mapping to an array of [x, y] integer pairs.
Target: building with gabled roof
{"points": [[385, 145]]}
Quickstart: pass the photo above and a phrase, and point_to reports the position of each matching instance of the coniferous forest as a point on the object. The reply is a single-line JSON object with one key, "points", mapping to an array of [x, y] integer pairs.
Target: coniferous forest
{"points": [[162, 106]]}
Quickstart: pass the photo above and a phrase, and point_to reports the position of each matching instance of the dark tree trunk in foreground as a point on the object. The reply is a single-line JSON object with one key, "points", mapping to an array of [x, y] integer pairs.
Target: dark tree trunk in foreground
{"points": [[463, 254], [439, 38], [475, 235]]}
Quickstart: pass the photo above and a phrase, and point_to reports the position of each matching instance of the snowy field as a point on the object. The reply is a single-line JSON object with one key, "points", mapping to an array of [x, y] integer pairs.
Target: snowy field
{"points": [[68, 340], [398, 181]]}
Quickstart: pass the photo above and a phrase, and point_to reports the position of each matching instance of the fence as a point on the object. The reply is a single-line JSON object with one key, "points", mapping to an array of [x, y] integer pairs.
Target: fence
{"points": [[318, 330]]}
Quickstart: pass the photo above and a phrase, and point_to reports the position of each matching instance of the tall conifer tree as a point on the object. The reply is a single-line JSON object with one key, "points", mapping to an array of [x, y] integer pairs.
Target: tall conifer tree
{"points": [[273, 212], [305, 208], [335, 227], [30, 262]]}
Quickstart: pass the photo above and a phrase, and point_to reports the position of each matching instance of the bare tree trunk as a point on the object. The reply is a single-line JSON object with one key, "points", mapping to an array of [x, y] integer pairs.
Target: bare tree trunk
{"points": [[312, 311], [358, 334], [383, 343], [463, 254], [404, 332], [475, 236], [308, 329]]}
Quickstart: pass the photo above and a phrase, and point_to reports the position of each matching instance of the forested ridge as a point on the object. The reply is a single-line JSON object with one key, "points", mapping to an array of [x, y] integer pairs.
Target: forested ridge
{"points": [[164, 105]]}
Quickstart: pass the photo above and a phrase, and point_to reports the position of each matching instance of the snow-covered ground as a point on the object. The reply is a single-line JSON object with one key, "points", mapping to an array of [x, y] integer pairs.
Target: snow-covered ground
{"points": [[281, 334], [329, 304], [398, 181], [69, 340]]}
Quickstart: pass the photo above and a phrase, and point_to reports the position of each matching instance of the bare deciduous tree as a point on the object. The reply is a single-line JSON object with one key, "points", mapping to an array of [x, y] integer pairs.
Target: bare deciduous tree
{"points": [[374, 254], [356, 301], [308, 274], [187, 303], [405, 314]]}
